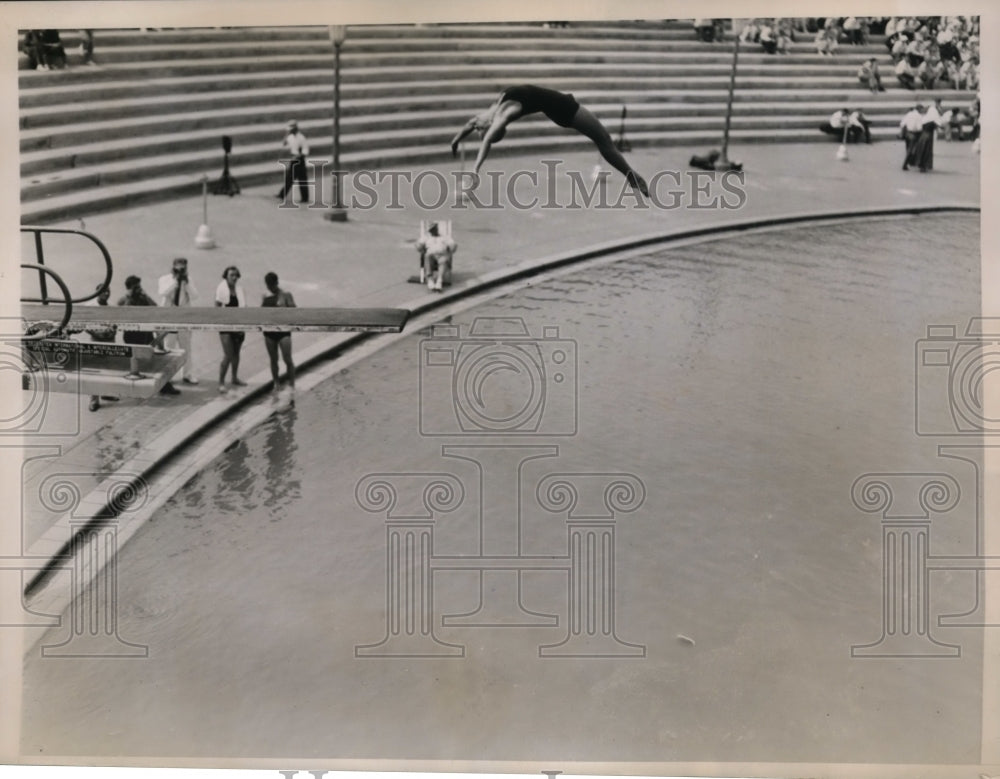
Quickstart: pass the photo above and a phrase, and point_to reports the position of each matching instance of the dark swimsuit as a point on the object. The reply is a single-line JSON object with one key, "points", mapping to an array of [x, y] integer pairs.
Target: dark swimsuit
{"points": [[560, 107], [237, 335], [271, 301]]}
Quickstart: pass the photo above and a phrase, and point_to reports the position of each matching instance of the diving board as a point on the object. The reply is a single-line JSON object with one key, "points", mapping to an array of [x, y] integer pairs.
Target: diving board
{"points": [[167, 318]]}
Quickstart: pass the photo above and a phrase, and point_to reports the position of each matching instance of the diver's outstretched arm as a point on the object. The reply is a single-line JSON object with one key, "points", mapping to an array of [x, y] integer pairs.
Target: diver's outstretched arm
{"points": [[468, 128], [498, 128]]}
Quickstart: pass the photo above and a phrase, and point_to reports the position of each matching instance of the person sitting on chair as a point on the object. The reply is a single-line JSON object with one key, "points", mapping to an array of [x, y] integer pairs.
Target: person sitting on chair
{"points": [[437, 251]]}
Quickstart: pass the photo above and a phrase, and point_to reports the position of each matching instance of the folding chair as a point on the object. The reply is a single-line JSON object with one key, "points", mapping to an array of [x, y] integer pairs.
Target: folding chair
{"points": [[444, 230]]}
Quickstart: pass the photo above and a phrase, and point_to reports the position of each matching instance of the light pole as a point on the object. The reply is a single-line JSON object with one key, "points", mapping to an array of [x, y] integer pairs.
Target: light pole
{"points": [[723, 163], [338, 34]]}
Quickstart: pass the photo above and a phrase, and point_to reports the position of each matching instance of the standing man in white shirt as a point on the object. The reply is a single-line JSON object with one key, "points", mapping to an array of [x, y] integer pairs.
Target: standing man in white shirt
{"points": [[909, 131], [175, 289], [298, 149]]}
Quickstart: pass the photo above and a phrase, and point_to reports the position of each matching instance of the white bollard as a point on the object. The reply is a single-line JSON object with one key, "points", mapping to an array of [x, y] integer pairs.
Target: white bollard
{"points": [[204, 240]]}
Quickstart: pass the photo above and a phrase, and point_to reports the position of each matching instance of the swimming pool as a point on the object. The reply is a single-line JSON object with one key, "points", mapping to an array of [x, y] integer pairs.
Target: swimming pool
{"points": [[732, 390]]}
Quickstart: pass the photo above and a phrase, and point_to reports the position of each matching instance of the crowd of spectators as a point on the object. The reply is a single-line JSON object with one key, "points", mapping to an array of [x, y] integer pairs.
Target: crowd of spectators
{"points": [[45, 51], [931, 52], [928, 52]]}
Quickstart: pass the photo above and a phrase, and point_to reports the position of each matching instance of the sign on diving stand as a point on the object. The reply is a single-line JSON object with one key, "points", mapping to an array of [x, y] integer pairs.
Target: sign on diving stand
{"points": [[93, 368]]}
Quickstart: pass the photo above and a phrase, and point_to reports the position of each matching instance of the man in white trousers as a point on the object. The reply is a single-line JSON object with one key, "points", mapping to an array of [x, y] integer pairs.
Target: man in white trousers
{"points": [[175, 289]]}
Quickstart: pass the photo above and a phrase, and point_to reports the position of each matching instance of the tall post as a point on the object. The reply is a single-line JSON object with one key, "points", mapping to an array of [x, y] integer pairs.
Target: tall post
{"points": [[723, 162], [338, 34]]}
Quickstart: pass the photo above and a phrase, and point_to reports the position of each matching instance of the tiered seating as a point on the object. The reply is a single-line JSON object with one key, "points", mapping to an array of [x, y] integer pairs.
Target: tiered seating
{"points": [[146, 124]]}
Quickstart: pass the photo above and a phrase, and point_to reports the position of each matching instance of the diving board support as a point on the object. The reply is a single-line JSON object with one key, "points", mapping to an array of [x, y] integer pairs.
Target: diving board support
{"points": [[93, 368]]}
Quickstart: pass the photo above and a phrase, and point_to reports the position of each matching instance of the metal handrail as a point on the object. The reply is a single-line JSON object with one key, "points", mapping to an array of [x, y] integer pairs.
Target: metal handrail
{"points": [[40, 256], [67, 304]]}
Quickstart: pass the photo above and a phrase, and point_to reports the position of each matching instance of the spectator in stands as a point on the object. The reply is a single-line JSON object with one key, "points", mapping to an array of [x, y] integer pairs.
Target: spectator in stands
{"points": [[768, 39], [952, 70], [827, 39], [30, 46], [930, 70], [890, 32], [899, 46], [750, 32], [831, 27], [858, 126], [868, 74], [955, 121], [947, 42], [278, 340], [45, 50], [175, 289], [298, 149], [87, 47], [974, 135], [136, 296], [229, 294], [54, 53], [836, 123], [705, 30], [905, 74], [847, 126], [785, 35], [916, 50], [852, 30], [968, 74]]}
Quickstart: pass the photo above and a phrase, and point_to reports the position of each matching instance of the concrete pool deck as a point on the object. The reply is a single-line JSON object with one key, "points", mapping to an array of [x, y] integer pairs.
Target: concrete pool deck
{"points": [[366, 262]]}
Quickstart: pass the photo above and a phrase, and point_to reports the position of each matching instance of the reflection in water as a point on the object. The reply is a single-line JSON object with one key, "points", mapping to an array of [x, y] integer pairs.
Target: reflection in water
{"points": [[282, 486], [747, 382]]}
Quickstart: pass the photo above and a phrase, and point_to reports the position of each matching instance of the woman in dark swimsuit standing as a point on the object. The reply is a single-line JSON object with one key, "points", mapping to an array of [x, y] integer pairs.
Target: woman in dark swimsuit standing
{"points": [[278, 339], [561, 108], [229, 294]]}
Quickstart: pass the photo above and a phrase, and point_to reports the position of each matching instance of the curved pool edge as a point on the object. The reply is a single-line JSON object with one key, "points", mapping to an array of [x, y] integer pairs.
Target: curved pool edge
{"points": [[156, 472]]}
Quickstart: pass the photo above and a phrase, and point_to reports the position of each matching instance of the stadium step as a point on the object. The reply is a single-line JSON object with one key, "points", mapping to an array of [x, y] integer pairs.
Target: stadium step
{"points": [[146, 124]]}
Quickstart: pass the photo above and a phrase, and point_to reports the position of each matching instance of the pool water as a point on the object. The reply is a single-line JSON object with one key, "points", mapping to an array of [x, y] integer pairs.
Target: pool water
{"points": [[737, 387]]}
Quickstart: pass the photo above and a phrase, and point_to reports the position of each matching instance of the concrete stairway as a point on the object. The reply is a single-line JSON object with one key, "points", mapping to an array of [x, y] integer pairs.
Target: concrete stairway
{"points": [[146, 124]]}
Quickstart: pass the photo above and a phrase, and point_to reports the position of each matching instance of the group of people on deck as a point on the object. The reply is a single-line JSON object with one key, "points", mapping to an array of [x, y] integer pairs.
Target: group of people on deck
{"points": [[917, 129], [176, 289]]}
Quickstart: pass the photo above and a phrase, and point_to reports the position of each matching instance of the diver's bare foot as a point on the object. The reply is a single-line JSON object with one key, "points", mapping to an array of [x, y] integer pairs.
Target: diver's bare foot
{"points": [[638, 182]]}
